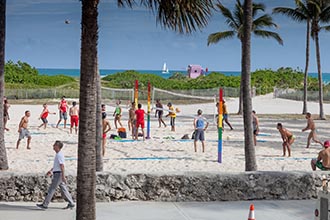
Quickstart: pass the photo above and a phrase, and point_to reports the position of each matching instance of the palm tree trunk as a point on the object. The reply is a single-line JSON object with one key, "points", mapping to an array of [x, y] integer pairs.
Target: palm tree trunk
{"points": [[306, 68], [250, 157], [86, 178], [240, 100], [99, 162], [3, 153], [318, 60]]}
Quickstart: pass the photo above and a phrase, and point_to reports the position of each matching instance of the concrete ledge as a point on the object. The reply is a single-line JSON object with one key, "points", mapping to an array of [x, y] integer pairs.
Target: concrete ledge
{"points": [[174, 187]]}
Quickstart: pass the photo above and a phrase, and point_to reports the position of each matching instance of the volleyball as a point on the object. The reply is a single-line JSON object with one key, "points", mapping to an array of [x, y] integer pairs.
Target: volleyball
{"points": [[177, 110]]}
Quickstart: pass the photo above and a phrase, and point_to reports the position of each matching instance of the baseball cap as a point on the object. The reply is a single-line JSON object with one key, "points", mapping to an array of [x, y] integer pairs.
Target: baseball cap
{"points": [[326, 144]]}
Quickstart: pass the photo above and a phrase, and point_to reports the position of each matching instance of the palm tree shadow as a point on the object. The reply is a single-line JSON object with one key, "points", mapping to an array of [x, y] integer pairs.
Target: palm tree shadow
{"points": [[15, 207]]}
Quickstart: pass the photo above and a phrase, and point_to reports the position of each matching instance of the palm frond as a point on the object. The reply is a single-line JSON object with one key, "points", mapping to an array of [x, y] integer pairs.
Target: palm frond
{"points": [[183, 16], [325, 14], [268, 34], [257, 7], [216, 37], [295, 14], [326, 28], [238, 14], [230, 20], [128, 3], [264, 21]]}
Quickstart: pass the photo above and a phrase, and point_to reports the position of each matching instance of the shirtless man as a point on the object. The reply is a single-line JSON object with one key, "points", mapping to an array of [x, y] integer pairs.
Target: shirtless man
{"points": [[311, 126], [23, 131], [106, 128], [287, 138], [323, 160], [131, 119], [74, 117]]}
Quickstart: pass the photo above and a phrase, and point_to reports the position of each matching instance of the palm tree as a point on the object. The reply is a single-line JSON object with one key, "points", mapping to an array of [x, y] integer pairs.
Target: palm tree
{"points": [[180, 16], [301, 14], [86, 178], [250, 157], [320, 11], [99, 157], [235, 21], [3, 154]]}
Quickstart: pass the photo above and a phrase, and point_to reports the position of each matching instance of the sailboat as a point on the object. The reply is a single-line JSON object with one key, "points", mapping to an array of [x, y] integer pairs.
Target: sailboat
{"points": [[165, 69]]}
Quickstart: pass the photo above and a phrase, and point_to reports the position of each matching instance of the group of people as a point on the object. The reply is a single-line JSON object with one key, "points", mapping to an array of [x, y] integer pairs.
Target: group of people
{"points": [[136, 120], [323, 160], [288, 138], [63, 114]]}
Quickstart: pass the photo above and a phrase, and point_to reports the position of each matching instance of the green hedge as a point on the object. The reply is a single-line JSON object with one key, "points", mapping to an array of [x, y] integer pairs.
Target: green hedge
{"points": [[22, 75], [263, 80]]}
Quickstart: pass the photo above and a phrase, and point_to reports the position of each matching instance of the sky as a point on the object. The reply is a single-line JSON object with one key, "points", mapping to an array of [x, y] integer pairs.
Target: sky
{"points": [[36, 33]]}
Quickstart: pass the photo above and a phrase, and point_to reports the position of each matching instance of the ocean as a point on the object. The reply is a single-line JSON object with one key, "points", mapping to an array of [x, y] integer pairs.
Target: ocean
{"points": [[105, 72]]}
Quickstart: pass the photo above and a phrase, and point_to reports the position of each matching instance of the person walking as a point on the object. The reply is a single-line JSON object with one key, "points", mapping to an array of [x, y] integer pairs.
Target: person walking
{"points": [[57, 172]]}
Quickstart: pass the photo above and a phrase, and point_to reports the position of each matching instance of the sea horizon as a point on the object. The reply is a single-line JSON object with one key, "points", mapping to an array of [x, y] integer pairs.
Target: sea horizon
{"points": [[105, 72]]}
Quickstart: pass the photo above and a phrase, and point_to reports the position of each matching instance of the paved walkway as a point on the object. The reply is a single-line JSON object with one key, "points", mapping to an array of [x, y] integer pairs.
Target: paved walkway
{"points": [[264, 210]]}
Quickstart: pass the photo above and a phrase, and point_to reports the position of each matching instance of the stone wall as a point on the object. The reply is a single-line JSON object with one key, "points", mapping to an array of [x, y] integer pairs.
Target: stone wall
{"points": [[176, 187]]}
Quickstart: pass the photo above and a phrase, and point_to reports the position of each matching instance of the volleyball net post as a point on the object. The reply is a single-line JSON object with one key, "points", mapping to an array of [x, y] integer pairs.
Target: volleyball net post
{"points": [[136, 93], [149, 110], [220, 126]]}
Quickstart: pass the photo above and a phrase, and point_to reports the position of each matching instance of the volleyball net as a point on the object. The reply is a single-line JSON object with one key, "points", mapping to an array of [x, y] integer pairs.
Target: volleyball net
{"points": [[117, 94], [187, 100]]}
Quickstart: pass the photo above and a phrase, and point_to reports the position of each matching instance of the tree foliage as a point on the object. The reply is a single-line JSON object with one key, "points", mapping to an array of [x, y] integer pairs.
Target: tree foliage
{"points": [[265, 79], [21, 74]]}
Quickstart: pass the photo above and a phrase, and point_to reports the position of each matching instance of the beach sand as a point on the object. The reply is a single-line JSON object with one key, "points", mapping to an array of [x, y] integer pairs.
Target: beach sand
{"points": [[165, 152]]}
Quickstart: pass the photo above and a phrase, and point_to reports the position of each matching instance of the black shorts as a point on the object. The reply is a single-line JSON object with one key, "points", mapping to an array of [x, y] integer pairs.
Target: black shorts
{"points": [[160, 114], [44, 120], [172, 122]]}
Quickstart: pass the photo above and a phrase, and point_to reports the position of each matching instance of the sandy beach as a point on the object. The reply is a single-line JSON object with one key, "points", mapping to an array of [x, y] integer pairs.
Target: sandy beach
{"points": [[165, 152]]}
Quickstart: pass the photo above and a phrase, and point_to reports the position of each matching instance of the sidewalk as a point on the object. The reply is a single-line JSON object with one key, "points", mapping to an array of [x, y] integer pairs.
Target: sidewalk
{"points": [[264, 210]]}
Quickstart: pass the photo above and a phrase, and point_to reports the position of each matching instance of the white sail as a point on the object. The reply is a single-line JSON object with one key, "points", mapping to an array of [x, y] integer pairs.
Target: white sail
{"points": [[165, 69]]}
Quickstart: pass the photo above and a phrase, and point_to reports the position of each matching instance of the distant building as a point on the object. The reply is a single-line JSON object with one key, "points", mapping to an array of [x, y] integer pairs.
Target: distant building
{"points": [[195, 71]]}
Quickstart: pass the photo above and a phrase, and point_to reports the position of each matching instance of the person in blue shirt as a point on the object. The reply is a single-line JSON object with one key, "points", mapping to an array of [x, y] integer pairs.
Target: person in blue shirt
{"points": [[200, 125]]}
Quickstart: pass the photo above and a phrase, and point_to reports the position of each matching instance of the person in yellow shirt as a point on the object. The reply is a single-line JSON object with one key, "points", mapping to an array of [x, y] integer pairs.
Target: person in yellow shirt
{"points": [[172, 114], [225, 114]]}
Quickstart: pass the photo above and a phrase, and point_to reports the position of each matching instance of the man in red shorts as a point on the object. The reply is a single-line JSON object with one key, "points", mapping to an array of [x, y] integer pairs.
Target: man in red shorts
{"points": [[106, 127], [74, 117], [139, 120]]}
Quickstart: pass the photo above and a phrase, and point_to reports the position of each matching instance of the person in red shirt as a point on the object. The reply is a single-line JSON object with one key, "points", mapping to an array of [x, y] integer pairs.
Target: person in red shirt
{"points": [[139, 120], [44, 115], [63, 108]]}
